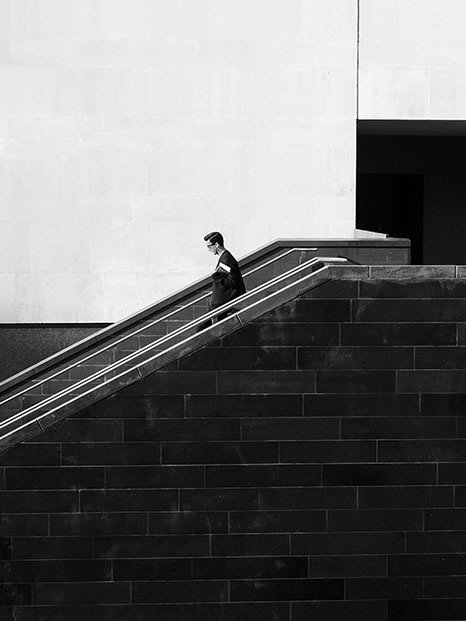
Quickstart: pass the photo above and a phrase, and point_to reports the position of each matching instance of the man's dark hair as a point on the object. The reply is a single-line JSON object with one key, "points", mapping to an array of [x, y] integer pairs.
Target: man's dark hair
{"points": [[214, 238]]}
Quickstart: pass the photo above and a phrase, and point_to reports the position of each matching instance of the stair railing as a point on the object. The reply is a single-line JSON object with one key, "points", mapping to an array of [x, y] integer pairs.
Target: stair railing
{"points": [[147, 314], [125, 337], [132, 363]]}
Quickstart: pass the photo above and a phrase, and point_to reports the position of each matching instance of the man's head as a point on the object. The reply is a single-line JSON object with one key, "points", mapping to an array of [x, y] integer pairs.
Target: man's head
{"points": [[214, 241]]}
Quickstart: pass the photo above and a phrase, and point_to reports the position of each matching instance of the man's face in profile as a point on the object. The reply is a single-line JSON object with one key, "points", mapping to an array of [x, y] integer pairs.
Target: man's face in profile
{"points": [[211, 247]]}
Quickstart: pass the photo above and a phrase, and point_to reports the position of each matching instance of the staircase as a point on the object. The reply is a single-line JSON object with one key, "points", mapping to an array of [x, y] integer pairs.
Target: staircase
{"points": [[303, 459]]}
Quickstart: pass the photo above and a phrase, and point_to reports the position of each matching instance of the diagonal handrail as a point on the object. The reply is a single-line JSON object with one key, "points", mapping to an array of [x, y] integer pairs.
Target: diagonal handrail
{"points": [[134, 360], [339, 246], [196, 323], [25, 375]]}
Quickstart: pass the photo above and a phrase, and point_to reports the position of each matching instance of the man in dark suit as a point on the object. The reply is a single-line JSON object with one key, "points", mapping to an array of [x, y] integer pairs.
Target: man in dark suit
{"points": [[228, 283]]}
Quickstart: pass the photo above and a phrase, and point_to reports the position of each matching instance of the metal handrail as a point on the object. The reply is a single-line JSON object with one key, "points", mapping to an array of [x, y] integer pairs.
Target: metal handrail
{"points": [[143, 328], [107, 332], [163, 339], [193, 324], [113, 329]]}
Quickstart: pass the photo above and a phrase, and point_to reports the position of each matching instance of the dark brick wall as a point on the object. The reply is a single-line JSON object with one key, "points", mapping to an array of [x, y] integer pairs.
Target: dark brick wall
{"points": [[22, 345], [311, 465]]}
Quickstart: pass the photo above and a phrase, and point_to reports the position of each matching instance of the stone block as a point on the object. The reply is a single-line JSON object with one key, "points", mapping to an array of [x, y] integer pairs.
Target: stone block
{"points": [[436, 381], [152, 569], [121, 407], [432, 564], [448, 588], [250, 545], [54, 478], [291, 428], [173, 383], [37, 548], [39, 501], [419, 608], [384, 588], [309, 311], [175, 612], [328, 451], [251, 476], [378, 474], [182, 430], [332, 611], [445, 519], [248, 568], [153, 477], [440, 357], [151, 546], [421, 450], [460, 496], [17, 525], [355, 381], [15, 595], [354, 404], [81, 594], [418, 543], [219, 500], [407, 334], [57, 570], [393, 427], [390, 311], [188, 522], [199, 406], [353, 358], [311, 543], [410, 497], [417, 272], [347, 566], [102, 523], [134, 453], [86, 430], [14, 257], [119, 500], [452, 474], [291, 334], [29, 91], [277, 521], [240, 358], [375, 520], [287, 382], [306, 498], [413, 288], [219, 452], [334, 289], [5, 548], [287, 590], [33, 455], [461, 333], [179, 592]]}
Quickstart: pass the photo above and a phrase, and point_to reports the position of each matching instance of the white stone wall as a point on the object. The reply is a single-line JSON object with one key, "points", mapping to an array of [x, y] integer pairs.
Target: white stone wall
{"points": [[130, 128], [412, 59]]}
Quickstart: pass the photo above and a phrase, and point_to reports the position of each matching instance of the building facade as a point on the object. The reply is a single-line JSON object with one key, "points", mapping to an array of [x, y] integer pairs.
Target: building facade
{"points": [[130, 128]]}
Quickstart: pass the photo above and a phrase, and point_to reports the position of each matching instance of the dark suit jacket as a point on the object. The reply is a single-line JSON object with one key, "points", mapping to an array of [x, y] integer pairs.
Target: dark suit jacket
{"points": [[227, 280]]}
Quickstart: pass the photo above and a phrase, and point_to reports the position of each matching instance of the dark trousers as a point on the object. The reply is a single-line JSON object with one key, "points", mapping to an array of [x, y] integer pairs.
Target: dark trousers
{"points": [[219, 317]]}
